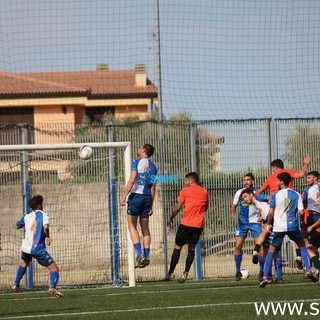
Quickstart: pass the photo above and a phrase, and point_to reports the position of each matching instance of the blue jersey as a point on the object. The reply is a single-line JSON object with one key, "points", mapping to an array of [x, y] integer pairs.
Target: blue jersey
{"points": [[146, 175], [286, 203], [34, 239], [311, 198], [248, 213]]}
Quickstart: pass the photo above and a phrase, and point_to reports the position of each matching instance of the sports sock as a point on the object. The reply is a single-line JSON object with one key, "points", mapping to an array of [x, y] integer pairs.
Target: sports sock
{"points": [[238, 260], [54, 277], [316, 262], [189, 260], [146, 252], [278, 265], [257, 247], [20, 273], [261, 262], [305, 258], [268, 264], [137, 249], [174, 259]]}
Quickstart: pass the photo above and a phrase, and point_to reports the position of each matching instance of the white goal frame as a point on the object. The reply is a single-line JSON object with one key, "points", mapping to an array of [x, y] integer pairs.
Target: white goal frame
{"points": [[127, 167]]}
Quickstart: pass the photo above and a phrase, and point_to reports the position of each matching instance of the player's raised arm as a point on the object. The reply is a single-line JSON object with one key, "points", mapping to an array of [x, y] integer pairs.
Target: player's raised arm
{"points": [[302, 172]]}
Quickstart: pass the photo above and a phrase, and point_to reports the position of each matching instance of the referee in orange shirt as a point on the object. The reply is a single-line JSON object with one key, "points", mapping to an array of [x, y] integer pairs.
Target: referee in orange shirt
{"points": [[194, 198]]}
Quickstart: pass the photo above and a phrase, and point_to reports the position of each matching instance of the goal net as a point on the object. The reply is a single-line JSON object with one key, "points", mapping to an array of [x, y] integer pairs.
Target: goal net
{"points": [[90, 238]]}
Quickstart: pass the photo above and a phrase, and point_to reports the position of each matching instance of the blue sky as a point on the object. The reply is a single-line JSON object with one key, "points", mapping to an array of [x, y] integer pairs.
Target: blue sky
{"points": [[221, 59]]}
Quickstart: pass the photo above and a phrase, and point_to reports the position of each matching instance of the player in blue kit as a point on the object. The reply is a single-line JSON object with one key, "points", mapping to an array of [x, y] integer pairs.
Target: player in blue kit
{"points": [[248, 220], [142, 189], [37, 236], [282, 217]]}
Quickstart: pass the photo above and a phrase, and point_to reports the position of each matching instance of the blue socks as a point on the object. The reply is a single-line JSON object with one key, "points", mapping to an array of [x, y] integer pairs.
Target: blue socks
{"points": [[261, 262], [238, 260], [20, 273], [278, 265], [137, 249], [146, 252], [305, 258], [54, 277], [268, 264]]}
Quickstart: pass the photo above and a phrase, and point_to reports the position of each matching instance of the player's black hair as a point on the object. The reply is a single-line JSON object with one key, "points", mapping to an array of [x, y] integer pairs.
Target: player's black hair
{"points": [[247, 190], [285, 178], [277, 163], [250, 175], [35, 201], [149, 149], [193, 176], [313, 173]]}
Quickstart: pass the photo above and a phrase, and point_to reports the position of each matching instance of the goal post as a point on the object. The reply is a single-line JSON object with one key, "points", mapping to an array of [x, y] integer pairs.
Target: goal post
{"points": [[69, 146]]}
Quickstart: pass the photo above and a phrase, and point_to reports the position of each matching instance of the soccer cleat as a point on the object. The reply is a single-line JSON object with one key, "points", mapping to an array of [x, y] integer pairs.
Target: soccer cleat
{"points": [[312, 277], [140, 263], [299, 263], [16, 288], [183, 278], [169, 277], [144, 263], [255, 257], [260, 276], [238, 276], [54, 291], [279, 281], [264, 282]]}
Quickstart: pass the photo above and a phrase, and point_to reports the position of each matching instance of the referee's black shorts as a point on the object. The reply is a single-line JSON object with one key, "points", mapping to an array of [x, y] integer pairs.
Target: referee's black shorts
{"points": [[185, 234], [314, 238]]}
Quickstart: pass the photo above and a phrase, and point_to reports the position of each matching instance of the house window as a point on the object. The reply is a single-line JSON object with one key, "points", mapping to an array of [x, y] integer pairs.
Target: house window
{"points": [[96, 114]]}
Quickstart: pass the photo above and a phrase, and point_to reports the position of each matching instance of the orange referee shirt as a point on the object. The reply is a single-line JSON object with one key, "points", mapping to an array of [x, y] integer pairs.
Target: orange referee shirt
{"points": [[272, 183], [195, 200]]}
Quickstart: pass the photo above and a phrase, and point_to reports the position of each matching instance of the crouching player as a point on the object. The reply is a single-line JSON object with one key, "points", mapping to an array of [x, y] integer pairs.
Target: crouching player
{"points": [[282, 217], [263, 241]]}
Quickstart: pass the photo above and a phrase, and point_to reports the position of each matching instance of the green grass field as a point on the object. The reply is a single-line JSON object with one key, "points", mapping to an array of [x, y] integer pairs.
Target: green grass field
{"points": [[208, 299]]}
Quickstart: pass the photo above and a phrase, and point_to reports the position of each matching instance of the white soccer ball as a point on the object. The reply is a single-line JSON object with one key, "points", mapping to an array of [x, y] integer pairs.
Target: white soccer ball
{"points": [[85, 152], [245, 273]]}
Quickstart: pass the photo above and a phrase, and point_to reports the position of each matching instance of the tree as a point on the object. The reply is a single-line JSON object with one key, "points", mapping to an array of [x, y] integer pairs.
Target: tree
{"points": [[306, 140]]}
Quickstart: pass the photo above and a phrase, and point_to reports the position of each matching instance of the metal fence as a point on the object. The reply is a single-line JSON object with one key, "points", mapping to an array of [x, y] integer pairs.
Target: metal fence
{"points": [[77, 194]]}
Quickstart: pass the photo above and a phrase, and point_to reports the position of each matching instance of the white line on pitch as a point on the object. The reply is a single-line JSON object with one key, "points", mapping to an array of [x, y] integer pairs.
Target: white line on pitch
{"points": [[210, 305]]}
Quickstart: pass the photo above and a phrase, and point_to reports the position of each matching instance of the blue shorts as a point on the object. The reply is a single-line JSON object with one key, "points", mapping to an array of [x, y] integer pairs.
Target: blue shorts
{"points": [[242, 230], [139, 205], [44, 259], [277, 237]]}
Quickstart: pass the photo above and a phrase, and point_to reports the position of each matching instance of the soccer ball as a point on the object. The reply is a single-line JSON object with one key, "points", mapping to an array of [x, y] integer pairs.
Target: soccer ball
{"points": [[85, 152], [245, 273]]}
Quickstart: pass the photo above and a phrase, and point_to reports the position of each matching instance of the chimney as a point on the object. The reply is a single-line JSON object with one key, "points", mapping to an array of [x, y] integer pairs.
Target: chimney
{"points": [[102, 67], [140, 74]]}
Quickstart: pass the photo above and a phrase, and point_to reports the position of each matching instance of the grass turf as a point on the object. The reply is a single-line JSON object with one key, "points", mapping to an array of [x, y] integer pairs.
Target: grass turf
{"points": [[208, 299]]}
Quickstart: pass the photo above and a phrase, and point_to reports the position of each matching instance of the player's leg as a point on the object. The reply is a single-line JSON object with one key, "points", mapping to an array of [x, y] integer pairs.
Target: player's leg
{"points": [[26, 259], [314, 240], [135, 238], [144, 224], [194, 237], [277, 239], [258, 243], [278, 265], [297, 237], [240, 236], [180, 240], [256, 231]]}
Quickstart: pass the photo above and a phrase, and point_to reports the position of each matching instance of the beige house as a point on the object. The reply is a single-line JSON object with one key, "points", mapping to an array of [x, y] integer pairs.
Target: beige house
{"points": [[67, 97]]}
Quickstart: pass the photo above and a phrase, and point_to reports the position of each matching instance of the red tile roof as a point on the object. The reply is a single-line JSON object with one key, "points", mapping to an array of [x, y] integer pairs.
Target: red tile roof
{"points": [[92, 84]]}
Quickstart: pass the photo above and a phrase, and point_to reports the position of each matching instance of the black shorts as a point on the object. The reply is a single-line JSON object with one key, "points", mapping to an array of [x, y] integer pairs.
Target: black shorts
{"points": [[304, 232], [314, 238], [187, 235]]}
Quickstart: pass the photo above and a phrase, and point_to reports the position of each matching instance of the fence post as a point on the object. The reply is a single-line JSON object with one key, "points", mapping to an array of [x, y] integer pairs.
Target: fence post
{"points": [[26, 190], [114, 213], [272, 139], [193, 166]]}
